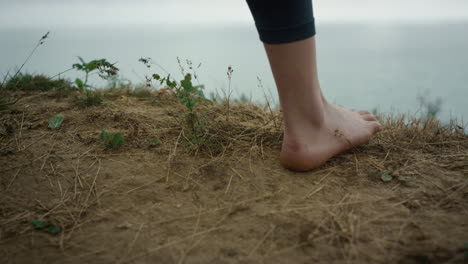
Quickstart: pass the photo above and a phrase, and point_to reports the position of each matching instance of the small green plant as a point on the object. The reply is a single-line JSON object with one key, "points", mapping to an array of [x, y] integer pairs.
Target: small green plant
{"points": [[188, 94], [45, 226], [112, 140], [387, 176], [230, 252], [105, 70], [56, 121], [152, 143], [148, 62]]}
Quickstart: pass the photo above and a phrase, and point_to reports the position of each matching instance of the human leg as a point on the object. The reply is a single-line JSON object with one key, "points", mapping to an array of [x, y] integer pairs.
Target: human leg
{"points": [[315, 130]]}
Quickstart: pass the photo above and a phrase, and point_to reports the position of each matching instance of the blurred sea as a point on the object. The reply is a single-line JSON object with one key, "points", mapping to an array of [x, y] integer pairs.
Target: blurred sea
{"points": [[366, 66]]}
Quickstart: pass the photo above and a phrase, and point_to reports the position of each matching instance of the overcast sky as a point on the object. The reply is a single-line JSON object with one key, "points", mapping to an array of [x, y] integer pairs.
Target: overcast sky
{"points": [[91, 12]]}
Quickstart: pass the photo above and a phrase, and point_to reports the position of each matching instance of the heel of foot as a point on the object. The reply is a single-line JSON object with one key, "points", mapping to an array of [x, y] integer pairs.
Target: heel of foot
{"points": [[300, 161]]}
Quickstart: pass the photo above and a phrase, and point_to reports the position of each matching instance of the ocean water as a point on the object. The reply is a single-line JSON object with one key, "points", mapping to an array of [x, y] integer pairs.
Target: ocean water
{"points": [[365, 66]]}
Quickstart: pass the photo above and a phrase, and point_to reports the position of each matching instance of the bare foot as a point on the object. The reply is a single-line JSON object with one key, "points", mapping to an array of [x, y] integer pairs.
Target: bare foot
{"points": [[309, 145]]}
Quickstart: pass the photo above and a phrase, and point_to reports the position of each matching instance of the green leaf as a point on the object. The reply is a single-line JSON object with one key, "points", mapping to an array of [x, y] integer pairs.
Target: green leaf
{"points": [[154, 142], [77, 66], [190, 104], [38, 224], [386, 176], [94, 64], [103, 135], [56, 121], [156, 76], [170, 83], [90, 66], [49, 228], [187, 85], [116, 141], [79, 83], [53, 230], [406, 178], [112, 140], [81, 59]]}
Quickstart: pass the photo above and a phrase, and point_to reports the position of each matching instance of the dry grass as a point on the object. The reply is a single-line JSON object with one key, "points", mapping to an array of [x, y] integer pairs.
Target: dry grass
{"points": [[222, 198]]}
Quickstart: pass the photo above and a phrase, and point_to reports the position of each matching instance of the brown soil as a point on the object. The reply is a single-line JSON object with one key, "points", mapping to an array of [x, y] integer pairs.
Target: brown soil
{"points": [[227, 199]]}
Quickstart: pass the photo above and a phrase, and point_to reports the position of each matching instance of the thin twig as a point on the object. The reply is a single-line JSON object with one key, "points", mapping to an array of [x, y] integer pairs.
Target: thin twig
{"points": [[238, 174], [261, 241], [171, 155], [39, 43], [146, 184], [318, 188], [5, 77], [229, 184], [90, 190], [131, 245], [12, 180], [177, 241], [58, 74], [234, 205]]}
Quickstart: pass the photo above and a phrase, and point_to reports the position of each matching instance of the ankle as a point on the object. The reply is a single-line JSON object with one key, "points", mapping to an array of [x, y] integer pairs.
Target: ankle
{"points": [[304, 121]]}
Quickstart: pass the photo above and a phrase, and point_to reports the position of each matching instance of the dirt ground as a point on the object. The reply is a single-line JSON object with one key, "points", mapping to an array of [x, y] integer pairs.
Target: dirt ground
{"points": [[226, 200]]}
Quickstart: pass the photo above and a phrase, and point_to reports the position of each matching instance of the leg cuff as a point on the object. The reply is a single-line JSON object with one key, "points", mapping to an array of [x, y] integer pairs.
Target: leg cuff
{"points": [[288, 34]]}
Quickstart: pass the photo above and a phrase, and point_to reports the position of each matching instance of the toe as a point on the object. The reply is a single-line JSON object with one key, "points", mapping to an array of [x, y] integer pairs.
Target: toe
{"points": [[369, 117], [364, 112], [375, 126]]}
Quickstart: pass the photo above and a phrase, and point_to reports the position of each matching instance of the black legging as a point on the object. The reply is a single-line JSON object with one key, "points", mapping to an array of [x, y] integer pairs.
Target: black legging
{"points": [[282, 21]]}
